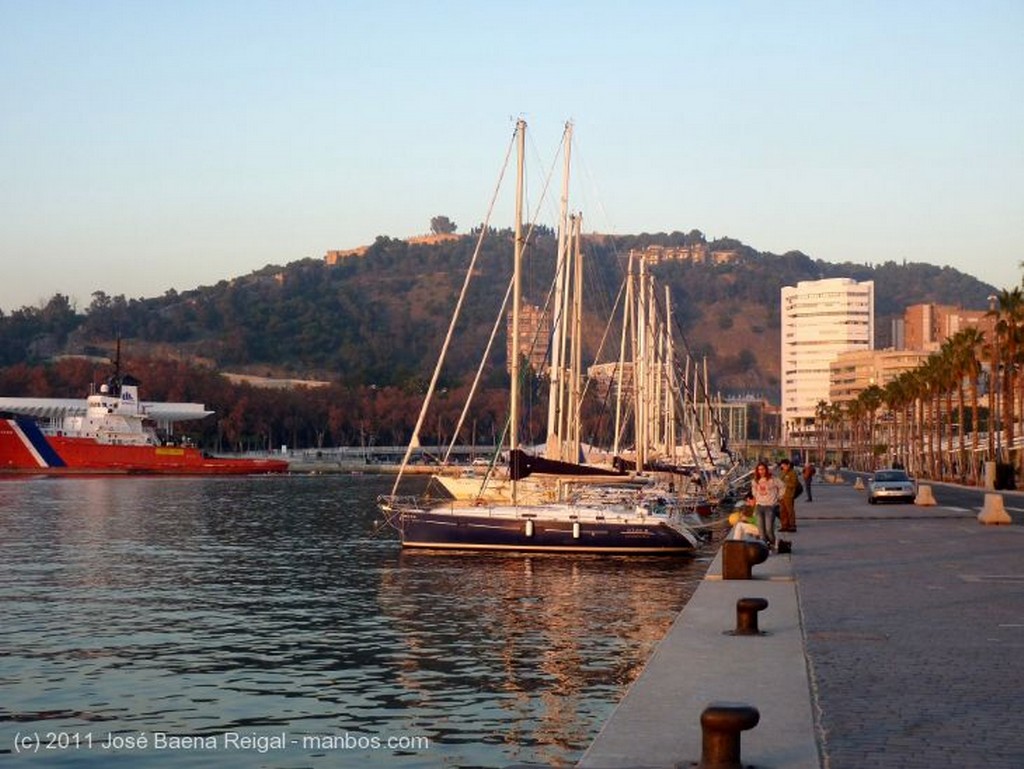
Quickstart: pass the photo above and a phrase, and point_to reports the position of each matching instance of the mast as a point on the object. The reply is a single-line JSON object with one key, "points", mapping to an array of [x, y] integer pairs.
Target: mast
{"points": [[670, 383], [517, 298], [627, 315], [658, 376], [557, 376], [640, 370], [577, 339]]}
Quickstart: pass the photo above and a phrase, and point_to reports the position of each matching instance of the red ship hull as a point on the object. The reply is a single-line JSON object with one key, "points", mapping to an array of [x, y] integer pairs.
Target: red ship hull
{"points": [[25, 449]]}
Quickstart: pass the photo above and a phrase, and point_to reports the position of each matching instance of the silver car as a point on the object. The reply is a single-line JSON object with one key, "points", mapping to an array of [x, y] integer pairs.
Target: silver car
{"points": [[891, 486]]}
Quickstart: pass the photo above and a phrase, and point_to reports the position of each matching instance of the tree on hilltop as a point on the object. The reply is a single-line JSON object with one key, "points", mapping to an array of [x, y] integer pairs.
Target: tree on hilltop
{"points": [[442, 225]]}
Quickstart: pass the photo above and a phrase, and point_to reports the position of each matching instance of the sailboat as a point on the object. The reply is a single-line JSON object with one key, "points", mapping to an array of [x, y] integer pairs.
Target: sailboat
{"points": [[577, 510], [676, 431]]}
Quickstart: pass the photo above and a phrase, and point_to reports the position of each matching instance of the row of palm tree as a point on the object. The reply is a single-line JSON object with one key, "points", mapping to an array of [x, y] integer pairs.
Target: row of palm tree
{"points": [[931, 419]]}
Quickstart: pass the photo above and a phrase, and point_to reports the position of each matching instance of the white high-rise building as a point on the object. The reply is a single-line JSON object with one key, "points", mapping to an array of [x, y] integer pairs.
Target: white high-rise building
{"points": [[820, 319]]}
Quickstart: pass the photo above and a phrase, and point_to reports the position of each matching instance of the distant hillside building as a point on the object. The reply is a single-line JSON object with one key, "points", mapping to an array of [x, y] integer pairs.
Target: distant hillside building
{"points": [[534, 337], [698, 253], [820, 320], [333, 258], [432, 239], [605, 378]]}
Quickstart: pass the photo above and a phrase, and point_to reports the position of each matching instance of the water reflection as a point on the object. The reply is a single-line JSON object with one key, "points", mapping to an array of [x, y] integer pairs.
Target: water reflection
{"points": [[541, 646], [197, 606]]}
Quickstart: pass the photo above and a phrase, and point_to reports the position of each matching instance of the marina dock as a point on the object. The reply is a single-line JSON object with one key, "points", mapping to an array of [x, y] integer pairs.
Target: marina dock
{"points": [[893, 637]]}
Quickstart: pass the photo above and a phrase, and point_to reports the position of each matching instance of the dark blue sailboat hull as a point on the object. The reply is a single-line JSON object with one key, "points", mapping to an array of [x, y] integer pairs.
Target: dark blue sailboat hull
{"points": [[438, 529]]}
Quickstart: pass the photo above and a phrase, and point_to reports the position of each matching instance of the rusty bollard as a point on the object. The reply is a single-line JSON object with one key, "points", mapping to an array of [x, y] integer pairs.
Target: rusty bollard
{"points": [[721, 724], [740, 555], [746, 615]]}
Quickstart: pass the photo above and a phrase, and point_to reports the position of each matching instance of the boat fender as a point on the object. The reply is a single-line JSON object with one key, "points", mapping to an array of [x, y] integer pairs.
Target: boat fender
{"points": [[529, 528], [575, 529]]}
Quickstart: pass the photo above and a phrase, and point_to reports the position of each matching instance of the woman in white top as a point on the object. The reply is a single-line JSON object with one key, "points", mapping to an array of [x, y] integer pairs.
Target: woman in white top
{"points": [[766, 491]]}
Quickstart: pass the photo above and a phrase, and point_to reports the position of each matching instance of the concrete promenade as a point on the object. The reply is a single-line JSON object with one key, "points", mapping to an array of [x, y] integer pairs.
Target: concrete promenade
{"points": [[894, 637]]}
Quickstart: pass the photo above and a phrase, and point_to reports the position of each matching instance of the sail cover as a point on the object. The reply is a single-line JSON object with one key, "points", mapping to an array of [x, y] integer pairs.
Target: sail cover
{"points": [[522, 464]]}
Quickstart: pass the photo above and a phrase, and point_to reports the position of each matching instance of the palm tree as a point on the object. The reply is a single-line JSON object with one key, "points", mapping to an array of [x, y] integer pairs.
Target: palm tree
{"points": [[952, 355], [871, 399], [854, 415], [937, 377], [835, 419], [916, 390], [967, 342], [821, 425], [894, 395], [946, 382], [1009, 316]]}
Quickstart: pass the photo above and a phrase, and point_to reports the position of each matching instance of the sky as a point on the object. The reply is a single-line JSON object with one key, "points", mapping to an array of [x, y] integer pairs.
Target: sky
{"points": [[156, 146]]}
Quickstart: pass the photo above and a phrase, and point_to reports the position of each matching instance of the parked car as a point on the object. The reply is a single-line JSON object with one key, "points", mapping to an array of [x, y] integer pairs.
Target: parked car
{"points": [[891, 486]]}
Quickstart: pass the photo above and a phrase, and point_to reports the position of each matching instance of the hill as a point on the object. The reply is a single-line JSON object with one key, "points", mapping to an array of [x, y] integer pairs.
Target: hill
{"points": [[378, 317]]}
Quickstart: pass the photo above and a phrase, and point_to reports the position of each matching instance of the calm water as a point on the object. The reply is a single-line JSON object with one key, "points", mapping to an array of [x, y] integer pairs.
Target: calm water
{"points": [[259, 622]]}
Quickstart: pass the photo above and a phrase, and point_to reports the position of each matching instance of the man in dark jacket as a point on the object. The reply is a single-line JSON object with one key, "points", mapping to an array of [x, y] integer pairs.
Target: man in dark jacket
{"points": [[787, 503]]}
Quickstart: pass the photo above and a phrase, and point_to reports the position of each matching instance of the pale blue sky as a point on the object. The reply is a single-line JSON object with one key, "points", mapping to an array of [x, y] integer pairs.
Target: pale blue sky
{"points": [[154, 145]]}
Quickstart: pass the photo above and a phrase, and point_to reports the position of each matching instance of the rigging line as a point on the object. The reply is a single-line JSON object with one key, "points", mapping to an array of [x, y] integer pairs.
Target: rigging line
{"points": [[578, 152], [659, 310], [551, 172], [479, 371], [455, 316], [582, 163], [598, 288], [716, 418], [497, 323], [605, 334], [597, 357], [611, 312], [527, 242], [540, 201]]}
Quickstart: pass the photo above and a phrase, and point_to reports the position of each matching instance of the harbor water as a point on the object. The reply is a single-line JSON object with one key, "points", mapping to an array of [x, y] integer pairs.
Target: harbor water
{"points": [[265, 622]]}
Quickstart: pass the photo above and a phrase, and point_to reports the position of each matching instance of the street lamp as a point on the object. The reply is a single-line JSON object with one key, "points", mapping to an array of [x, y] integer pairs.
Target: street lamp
{"points": [[995, 394]]}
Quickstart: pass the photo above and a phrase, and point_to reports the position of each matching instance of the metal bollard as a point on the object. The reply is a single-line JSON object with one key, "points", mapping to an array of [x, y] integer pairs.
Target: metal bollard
{"points": [[721, 724], [740, 555], [746, 615]]}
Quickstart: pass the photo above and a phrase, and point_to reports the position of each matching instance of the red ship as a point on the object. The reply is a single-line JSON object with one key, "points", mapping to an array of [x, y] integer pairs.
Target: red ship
{"points": [[110, 432]]}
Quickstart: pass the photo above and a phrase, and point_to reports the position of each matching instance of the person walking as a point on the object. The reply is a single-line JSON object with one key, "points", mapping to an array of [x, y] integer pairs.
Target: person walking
{"points": [[809, 471], [787, 500], [766, 490]]}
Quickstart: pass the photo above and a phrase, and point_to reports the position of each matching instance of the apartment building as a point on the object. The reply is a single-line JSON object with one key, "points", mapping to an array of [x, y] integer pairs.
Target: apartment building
{"points": [[820, 320], [853, 372], [927, 326]]}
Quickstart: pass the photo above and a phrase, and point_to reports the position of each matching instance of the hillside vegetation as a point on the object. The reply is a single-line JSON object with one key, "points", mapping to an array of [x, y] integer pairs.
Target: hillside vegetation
{"points": [[375, 322], [380, 318]]}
